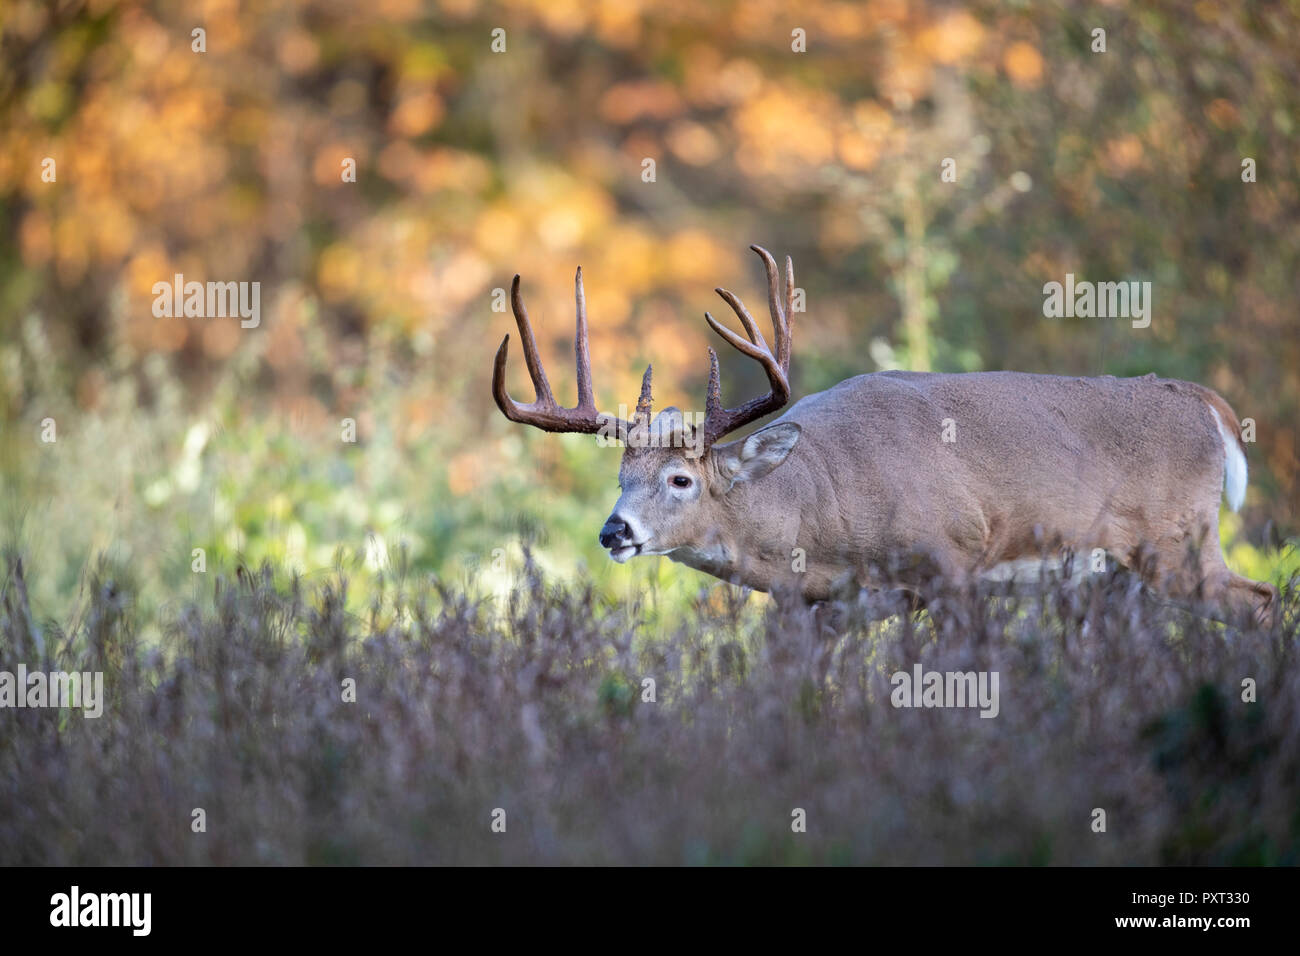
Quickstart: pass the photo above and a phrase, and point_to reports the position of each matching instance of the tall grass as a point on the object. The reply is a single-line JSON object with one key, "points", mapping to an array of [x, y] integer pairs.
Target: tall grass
{"points": [[534, 705]]}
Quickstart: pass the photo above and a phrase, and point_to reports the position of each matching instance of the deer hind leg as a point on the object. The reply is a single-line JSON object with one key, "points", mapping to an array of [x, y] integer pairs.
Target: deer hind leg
{"points": [[1240, 596], [1258, 598], [1201, 572]]}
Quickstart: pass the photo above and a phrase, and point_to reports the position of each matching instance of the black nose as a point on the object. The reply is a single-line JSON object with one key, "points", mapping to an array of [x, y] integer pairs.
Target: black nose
{"points": [[614, 533]]}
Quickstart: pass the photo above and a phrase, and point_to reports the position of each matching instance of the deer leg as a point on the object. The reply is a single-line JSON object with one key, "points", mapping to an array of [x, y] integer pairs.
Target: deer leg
{"points": [[1238, 595], [1205, 574], [1257, 598]]}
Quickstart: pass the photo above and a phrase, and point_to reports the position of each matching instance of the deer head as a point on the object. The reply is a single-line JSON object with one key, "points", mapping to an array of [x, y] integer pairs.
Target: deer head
{"points": [[674, 476]]}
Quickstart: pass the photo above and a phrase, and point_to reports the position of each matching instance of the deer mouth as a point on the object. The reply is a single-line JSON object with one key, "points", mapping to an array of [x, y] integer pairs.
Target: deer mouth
{"points": [[624, 552]]}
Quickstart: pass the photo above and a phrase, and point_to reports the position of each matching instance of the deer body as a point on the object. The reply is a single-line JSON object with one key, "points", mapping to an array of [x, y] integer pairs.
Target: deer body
{"points": [[889, 479], [1035, 462]]}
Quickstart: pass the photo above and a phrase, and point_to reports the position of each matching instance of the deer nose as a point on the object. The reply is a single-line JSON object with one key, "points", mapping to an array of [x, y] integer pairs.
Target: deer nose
{"points": [[615, 532]]}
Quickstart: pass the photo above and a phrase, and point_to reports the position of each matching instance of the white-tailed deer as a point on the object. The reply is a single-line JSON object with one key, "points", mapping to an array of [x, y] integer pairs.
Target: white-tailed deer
{"points": [[892, 476]]}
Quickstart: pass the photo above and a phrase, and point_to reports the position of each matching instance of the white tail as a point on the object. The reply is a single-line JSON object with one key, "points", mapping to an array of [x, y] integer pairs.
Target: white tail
{"points": [[1234, 465]]}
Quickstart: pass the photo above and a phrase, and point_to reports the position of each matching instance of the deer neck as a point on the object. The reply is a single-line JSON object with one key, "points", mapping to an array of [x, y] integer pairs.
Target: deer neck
{"points": [[738, 550]]}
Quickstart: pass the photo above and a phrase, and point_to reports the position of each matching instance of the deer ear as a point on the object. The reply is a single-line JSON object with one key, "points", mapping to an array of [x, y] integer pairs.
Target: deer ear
{"points": [[756, 455]]}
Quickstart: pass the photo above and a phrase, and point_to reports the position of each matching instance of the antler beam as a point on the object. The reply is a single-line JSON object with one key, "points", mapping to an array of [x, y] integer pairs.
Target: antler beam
{"points": [[719, 421]]}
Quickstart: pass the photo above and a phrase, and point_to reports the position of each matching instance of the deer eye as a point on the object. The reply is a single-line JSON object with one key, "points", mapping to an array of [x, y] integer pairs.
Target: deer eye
{"points": [[680, 481]]}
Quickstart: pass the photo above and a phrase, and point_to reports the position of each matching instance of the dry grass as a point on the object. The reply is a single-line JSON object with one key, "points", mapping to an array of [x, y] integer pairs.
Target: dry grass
{"points": [[1108, 699]]}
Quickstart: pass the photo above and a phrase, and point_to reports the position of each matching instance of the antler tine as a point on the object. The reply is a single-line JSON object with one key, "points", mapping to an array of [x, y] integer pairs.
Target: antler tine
{"points": [[773, 289], [531, 358], [783, 342], [757, 351], [582, 347], [644, 402], [713, 398], [503, 399], [544, 412], [780, 315], [747, 320]]}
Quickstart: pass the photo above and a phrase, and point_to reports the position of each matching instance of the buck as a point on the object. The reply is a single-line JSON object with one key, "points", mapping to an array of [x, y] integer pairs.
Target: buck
{"points": [[891, 478]]}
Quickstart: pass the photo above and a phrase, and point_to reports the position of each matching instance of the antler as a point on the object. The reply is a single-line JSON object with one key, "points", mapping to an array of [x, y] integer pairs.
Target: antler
{"points": [[718, 421], [544, 412]]}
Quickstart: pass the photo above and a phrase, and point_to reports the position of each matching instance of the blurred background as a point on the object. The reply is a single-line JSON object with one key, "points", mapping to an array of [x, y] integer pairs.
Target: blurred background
{"points": [[821, 134]]}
